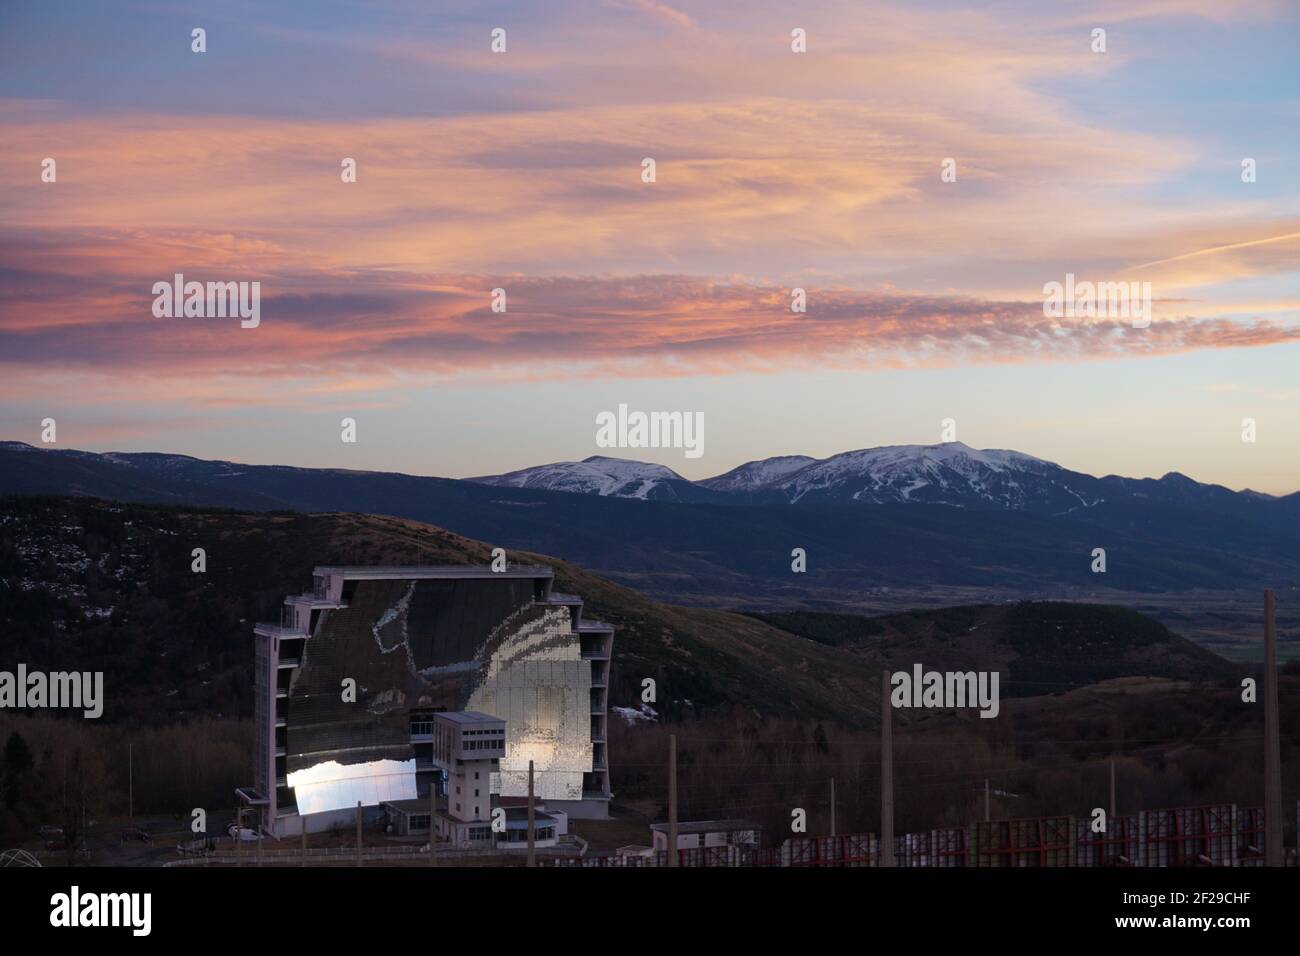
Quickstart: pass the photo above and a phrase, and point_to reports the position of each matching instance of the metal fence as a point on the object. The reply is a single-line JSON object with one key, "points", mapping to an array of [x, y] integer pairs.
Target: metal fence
{"points": [[1119, 844], [281, 855], [1218, 835], [1037, 841], [851, 849], [1190, 836]]}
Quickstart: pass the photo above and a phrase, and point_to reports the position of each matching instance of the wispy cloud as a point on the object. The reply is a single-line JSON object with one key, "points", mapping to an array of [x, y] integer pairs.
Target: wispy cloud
{"points": [[373, 326], [657, 10], [523, 171]]}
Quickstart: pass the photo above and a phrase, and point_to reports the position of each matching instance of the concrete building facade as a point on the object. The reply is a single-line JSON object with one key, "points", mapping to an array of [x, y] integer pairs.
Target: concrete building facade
{"points": [[351, 682]]}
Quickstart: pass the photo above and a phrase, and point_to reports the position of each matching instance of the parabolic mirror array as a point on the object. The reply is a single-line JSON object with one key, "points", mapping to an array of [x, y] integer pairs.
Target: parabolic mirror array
{"points": [[431, 644]]}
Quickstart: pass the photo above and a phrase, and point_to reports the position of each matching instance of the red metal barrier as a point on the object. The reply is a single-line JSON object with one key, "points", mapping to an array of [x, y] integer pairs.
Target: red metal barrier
{"points": [[756, 856], [853, 849], [1120, 845], [704, 856], [1250, 836], [1222, 835], [604, 860], [1037, 841], [951, 847], [931, 848], [1189, 836]]}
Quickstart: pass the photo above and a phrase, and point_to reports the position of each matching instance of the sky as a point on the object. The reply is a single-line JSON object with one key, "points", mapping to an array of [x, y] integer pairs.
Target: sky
{"points": [[774, 170]]}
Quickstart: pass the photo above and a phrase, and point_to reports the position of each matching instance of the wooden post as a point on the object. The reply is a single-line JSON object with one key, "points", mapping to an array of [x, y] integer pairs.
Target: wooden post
{"points": [[1111, 818], [433, 821], [886, 773], [672, 799], [532, 853], [1272, 742]]}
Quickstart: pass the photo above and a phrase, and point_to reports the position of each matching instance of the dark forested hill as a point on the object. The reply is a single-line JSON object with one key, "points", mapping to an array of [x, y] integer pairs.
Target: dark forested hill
{"points": [[736, 554], [1039, 646], [94, 585]]}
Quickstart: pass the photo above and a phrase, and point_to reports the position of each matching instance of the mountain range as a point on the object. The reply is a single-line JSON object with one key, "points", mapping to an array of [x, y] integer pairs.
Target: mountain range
{"points": [[881, 528], [951, 473]]}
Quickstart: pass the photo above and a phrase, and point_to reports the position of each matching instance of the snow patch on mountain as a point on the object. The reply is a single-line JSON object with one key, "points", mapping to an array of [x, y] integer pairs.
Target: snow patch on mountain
{"points": [[899, 472], [756, 474], [597, 475]]}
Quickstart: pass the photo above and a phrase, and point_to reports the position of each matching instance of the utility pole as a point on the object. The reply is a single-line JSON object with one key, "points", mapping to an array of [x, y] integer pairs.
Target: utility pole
{"points": [[532, 853], [986, 799], [832, 806], [886, 774], [672, 799], [358, 833], [1272, 742], [433, 821]]}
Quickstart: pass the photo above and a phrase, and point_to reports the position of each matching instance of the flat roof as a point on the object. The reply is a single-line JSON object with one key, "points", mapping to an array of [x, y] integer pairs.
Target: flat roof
{"points": [[412, 805], [517, 818], [559, 598], [381, 572], [468, 717], [278, 630], [708, 826]]}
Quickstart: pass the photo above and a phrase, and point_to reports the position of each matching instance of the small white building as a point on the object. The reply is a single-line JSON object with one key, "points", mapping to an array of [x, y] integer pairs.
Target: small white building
{"points": [[468, 747], [548, 825], [706, 833]]}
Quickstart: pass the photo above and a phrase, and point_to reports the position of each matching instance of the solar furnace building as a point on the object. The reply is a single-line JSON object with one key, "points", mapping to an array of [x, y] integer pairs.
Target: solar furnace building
{"points": [[348, 682]]}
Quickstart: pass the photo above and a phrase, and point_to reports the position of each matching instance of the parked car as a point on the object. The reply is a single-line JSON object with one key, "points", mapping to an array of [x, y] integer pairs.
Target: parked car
{"points": [[137, 833], [200, 847]]}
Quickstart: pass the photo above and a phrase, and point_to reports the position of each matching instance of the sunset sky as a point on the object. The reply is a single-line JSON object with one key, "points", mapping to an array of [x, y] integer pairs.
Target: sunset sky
{"points": [[775, 170]]}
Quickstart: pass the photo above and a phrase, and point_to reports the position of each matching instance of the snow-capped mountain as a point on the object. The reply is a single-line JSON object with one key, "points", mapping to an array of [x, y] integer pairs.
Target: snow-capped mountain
{"points": [[753, 475], [947, 515], [951, 473], [607, 477]]}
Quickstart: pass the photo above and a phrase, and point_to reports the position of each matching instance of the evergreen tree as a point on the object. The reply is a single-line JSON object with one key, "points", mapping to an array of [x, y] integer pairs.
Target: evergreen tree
{"points": [[17, 763]]}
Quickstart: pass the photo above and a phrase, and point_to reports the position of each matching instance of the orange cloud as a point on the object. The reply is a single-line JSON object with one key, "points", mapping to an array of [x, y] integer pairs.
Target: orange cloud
{"points": [[377, 332]]}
